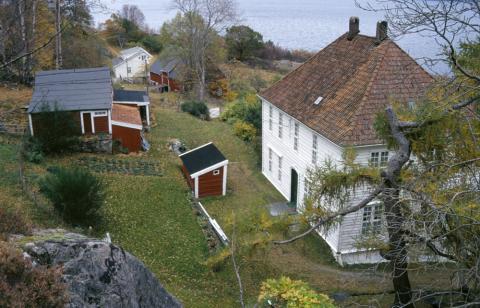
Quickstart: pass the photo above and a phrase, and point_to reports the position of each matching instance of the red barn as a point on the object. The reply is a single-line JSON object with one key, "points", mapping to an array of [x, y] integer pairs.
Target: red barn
{"points": [[205, 169], [164, 73]]}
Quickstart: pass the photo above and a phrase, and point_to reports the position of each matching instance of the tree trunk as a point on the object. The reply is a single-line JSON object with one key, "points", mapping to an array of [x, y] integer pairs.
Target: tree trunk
{"points": [[202, 85], [23, 32], [397, 254], [2, 44], [58, 40], [32, 41]]}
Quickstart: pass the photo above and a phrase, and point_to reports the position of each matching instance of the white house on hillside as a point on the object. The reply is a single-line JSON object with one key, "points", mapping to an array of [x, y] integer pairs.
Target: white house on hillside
{"points": [[330, 103], [132, 62]]}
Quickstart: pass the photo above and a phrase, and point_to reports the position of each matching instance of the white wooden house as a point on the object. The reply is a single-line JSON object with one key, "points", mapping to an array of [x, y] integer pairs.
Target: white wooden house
{"points": [[330, 103], [132, 62]]}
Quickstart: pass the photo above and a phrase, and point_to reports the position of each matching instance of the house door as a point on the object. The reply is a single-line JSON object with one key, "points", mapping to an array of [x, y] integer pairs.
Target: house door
{"points": [[87, 123], [293, 187]]}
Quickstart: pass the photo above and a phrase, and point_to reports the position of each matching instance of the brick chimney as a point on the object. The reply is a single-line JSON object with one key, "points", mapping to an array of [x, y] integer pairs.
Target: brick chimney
{"points": [[382, 31], [354, 27]]}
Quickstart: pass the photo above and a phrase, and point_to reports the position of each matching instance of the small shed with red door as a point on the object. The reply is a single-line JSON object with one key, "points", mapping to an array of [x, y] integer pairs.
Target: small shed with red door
{"points": [[205, 169]]}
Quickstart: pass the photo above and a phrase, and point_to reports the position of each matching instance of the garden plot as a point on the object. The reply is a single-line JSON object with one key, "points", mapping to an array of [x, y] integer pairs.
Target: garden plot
{"points": [[121, 166]]}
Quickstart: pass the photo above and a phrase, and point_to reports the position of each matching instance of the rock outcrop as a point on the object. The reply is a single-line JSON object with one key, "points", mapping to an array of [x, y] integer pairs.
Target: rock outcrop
{"points": [[98, 273]]}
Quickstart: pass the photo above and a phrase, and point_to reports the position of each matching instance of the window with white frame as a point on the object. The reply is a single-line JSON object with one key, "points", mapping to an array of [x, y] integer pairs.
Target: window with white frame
{"points": [[306, 188], [379, 159], [372, 218], [280, 125], [270, 160], [383, 158], [314, 149], [296, 136], [100, 113], [129, 70], [279, 168], [216, 172], [270, 117]]}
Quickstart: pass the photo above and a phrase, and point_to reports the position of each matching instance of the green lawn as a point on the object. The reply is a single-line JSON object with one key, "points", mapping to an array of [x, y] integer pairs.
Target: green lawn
{"points": [[152, 217]]}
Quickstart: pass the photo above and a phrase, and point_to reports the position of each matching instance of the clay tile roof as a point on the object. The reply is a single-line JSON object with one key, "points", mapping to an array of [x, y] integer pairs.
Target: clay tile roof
{"points": [[126, 114], [357, 79]]}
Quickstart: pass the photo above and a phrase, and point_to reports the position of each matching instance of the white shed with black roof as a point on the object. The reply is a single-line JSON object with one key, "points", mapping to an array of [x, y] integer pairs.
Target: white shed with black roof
{"points": [[205, 169]]}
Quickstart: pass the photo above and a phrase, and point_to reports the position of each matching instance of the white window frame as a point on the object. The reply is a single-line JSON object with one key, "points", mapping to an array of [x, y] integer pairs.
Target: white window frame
{"points": [[296, 135], [279, 168], [270, 118], [280, 125], [314, 148], [375, 159], [216, 172], [383, 158], [372, 218], [306, 188], [270, 160], [100, 113], [95, 114], [379, 159], [129, 70]]}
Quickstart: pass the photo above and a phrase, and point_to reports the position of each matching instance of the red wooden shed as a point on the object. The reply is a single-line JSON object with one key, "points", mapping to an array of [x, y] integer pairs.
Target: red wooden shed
{"points": [[205, 169]]}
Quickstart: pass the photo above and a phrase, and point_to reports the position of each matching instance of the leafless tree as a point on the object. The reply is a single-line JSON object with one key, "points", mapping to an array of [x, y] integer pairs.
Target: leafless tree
{"points": [[58, 39], [133, 14], [204, 18]]}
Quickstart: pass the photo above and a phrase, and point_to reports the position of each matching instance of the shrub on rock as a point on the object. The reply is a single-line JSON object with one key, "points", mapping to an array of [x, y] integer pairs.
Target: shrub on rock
{"points": [[22, 285]]}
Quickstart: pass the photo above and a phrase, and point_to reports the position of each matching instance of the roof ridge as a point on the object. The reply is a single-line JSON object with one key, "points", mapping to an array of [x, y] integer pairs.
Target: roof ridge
{"points": [[72, 70], [407, 55]]}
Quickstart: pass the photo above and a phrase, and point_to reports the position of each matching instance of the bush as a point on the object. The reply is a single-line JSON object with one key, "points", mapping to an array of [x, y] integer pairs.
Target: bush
{"points": [[197, 109], [32, 151], [245, 131], [58, 132], [218, 88], [242, 42], [248, 110], [271, 51], [75, 193], [152, 43], [22, 285], [285, 292], [13, 222]]}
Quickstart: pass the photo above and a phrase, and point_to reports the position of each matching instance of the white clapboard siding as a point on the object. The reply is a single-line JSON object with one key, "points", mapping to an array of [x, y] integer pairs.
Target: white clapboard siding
{"points": [[351, 226], [300, 159], [343, 237]]}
